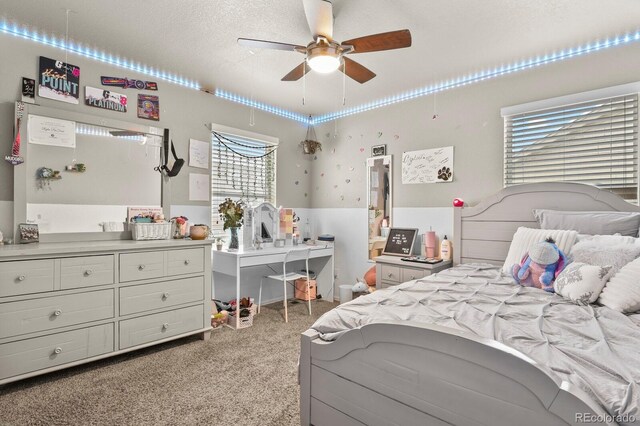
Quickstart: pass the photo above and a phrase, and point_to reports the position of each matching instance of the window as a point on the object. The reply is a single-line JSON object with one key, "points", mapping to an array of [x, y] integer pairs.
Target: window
{"points": [[243, 166], [593, 142]]}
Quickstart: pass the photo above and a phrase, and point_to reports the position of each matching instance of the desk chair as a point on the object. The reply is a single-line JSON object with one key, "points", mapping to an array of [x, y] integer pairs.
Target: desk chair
{"points": [[292, 255]]}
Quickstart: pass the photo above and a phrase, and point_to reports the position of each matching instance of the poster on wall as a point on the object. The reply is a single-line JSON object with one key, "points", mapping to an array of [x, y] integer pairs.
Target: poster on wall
{"points": [[198, 154], [59, 81], [149, 107], [51, 131], [199, 186], [105, 99], [428, 166], [28, 90], [126, 83]]}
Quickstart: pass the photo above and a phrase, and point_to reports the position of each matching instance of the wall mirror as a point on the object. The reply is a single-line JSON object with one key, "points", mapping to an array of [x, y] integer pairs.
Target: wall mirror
{"points": [[81, 172], [379, 202], [265, 222]]}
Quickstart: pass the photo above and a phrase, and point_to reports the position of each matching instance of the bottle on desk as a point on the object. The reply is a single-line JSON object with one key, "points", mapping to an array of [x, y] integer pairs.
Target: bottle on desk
{"points": [[445, 249]]}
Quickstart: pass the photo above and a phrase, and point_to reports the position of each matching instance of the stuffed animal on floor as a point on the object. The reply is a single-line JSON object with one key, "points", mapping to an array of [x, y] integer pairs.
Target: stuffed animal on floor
{"points": [[540, 267], [360, 287]]}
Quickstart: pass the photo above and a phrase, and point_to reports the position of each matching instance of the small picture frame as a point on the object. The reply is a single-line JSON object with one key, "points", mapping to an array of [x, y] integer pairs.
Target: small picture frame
{"points": [[28, 233], [379, 150]]}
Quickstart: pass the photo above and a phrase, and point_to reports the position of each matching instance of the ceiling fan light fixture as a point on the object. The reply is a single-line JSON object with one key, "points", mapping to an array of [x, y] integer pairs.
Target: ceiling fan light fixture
{"points": [[324, 64]]}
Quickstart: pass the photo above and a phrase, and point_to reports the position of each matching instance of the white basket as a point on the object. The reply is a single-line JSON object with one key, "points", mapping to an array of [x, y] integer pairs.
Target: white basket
{"points": [[150, 231], [244, 321]]}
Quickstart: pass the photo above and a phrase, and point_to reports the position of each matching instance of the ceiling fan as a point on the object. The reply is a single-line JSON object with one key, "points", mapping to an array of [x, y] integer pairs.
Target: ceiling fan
{"points": [[324, 54]]}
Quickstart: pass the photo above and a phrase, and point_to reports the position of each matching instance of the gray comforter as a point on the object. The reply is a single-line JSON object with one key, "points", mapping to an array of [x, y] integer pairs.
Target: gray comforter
{"points": [[593, 347]]}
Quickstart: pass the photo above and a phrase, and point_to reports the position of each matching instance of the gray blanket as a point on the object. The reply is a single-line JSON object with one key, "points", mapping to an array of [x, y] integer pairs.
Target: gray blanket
{"points": [[593, 347]]}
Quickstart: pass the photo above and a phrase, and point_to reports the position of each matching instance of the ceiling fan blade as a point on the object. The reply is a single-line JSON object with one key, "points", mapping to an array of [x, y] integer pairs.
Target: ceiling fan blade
{"points": [[354, 70], [263, 44], [319, 17], [383, 41], [297, 73]]}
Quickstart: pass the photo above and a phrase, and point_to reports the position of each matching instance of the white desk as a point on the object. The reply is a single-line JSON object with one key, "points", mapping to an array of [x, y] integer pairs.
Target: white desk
{"points": [[236, 264]]}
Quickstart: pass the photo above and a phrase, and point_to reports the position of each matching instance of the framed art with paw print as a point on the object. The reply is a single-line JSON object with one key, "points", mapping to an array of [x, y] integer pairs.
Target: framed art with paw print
{"points": [[428, 166]]}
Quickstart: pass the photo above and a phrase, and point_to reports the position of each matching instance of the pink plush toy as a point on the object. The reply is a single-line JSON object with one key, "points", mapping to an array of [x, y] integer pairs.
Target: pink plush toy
{"points": [[540, 267]]}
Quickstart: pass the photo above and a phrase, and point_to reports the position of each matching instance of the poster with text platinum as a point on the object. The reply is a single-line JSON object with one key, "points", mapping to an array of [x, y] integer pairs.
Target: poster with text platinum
{"points": [[428, 166], [59, 81], [105, 99]]}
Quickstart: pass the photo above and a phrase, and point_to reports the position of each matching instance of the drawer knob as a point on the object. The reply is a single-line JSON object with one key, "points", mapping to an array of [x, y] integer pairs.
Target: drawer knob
{"points": [[57, 350], [412, 277], [57, 312], [88, 272], [186, 262], [21, 278], [390, 274], [141, 267], [165, 326], [165, 295]]}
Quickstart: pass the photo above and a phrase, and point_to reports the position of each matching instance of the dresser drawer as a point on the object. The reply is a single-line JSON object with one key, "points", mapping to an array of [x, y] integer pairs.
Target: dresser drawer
{"points": [[410, 274], [141, 266], [138, 331], [187, 261], [28, 316], [146, 297], [390, 273], [26, 276], [39, 353], [87, 271]]}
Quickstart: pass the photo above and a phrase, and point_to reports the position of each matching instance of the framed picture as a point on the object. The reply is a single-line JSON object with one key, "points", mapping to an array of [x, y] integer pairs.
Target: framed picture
{"points": [[378, 150], [28, 233]]}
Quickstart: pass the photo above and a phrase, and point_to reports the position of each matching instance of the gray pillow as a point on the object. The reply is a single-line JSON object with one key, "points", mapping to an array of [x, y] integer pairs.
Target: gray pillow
{"points": [[593, 223], [594, 253]]}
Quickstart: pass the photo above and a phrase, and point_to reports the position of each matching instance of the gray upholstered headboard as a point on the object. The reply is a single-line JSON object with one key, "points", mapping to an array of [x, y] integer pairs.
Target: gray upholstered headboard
{"points": [[483, 233]]}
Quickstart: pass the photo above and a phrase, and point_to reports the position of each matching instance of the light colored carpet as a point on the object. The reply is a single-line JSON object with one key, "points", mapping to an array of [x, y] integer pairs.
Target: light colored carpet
{"points": [[248, 377]]}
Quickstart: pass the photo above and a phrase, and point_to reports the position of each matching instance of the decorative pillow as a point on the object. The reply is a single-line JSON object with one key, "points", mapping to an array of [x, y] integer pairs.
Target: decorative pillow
{"points": [[622, 292], [596, 253], [581, 283], [593, 223], [608, 239], [525, 238]]}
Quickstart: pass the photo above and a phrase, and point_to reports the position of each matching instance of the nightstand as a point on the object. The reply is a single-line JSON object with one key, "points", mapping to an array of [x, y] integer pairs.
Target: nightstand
{"points": [[391, 270]]}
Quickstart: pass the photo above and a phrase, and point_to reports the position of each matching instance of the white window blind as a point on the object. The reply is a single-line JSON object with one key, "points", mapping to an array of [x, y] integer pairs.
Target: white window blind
{"points": [[593, 142], [248, 174]]}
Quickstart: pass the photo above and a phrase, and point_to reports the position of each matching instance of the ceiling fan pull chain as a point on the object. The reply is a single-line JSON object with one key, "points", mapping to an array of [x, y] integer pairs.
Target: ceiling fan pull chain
{"points": [[304, 83], [344, 84]]}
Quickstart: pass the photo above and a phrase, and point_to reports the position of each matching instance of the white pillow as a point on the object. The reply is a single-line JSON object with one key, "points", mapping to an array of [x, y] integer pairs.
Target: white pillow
{"points": [[622, 292], [525, 238], [597, 253], [581, 283]]}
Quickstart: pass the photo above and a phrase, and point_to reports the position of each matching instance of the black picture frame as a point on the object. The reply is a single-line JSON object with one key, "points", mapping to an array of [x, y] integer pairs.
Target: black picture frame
{"points": [[379, 150], [400, 242]]}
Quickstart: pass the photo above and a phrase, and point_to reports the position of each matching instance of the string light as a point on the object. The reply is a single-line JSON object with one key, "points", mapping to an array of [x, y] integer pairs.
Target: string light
{"points": [[92, 53]]}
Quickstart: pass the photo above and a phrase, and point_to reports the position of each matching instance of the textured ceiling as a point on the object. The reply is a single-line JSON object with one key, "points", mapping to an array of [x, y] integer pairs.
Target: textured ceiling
{"points": [[197, 39]]}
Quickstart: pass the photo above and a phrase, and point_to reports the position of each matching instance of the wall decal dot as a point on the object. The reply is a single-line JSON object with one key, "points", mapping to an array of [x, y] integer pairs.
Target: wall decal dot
{"points": [[306, 172], [321, 174], [349, 137], [379, 135], [328, 134], [396, 137], [305, 194], [315, 157], [342, 198], [361, 136], [298, 165], [351, 169], [338, 166], [333, 151], [335, 186], [347, 180], [361, 149], [297, 182], [358, 199]]}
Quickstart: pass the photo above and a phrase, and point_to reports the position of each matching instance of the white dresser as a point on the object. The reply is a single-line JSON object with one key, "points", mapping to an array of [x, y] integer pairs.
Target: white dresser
{"points": [[63, 304]]}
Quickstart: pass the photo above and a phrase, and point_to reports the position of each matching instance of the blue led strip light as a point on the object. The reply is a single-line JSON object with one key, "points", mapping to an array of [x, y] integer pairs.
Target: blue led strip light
{"points": [[480, 76], [88, 52], [262, 106]]}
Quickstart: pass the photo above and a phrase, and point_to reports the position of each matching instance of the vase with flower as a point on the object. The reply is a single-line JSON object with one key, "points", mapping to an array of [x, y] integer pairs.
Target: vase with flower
{"points": [[180, 227], [232, 213]]}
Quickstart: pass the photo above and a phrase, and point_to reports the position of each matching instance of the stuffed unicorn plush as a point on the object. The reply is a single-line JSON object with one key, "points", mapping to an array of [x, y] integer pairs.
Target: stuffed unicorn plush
{"points": [[540, 267]]}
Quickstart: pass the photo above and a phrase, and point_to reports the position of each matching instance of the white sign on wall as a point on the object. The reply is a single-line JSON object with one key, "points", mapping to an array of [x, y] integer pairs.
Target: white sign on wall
{"points": [[51, 131], [428, 166]]}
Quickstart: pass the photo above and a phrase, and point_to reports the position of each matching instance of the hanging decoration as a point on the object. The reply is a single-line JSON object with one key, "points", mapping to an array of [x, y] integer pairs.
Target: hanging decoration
{"points": [[126, 83], [241, 170], [59, 80], [15, 157], [105, 99], [310, 144], [149, 107]]}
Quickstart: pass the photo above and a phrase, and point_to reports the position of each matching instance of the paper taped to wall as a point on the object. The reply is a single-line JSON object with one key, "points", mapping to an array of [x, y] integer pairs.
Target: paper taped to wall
{"points": [[198, 187], [428, 166], [51, 131]]}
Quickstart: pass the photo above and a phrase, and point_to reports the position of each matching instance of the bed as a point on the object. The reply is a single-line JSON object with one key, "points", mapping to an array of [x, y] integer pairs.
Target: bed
{"points": [[427, 363]]}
